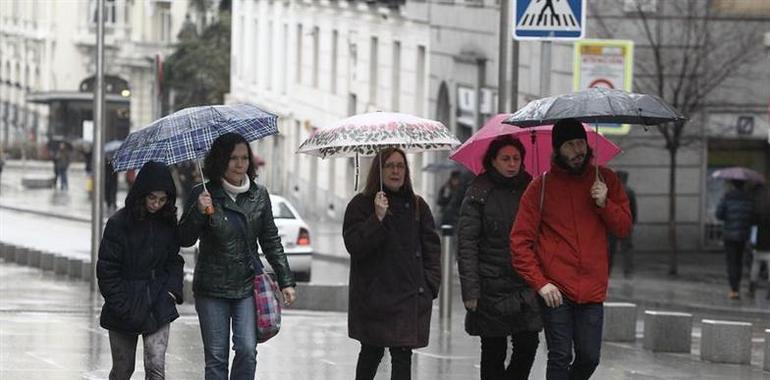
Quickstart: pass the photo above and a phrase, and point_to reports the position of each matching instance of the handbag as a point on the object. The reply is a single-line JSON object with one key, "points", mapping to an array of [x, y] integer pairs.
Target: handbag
{"points": [[268, 307], [266, 302]]}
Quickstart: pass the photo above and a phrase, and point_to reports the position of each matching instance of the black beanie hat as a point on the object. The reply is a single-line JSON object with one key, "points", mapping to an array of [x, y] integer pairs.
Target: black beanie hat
{"points": [[565, 130]]}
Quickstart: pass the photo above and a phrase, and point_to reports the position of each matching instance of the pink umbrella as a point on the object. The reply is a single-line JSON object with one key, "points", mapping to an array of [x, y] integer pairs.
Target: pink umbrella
{"points": [[536, 141]]}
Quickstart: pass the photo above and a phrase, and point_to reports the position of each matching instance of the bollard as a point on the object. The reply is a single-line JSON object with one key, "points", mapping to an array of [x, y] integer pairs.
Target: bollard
{"points": [[445, 295]]}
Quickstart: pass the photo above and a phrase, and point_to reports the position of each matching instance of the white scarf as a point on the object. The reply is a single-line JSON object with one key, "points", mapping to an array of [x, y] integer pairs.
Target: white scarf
{"points": [[233, 190]]}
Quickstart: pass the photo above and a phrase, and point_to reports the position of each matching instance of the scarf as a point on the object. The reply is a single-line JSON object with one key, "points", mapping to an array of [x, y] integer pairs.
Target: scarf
{"points": [[233, 190]]}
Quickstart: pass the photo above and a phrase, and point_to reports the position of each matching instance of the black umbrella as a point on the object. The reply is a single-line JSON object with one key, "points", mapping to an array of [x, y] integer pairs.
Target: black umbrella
{"points": [[440, 166], [596, 105]]}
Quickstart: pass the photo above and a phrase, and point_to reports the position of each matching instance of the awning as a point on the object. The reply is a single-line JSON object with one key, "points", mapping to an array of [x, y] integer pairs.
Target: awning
{"points": [[72, 96]]}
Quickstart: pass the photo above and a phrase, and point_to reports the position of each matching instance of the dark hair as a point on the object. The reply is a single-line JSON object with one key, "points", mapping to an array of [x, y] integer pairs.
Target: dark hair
{"points": [[559, 160], [373, 179], [499, 143], [167, 214], [216, 161], [738, 184]]}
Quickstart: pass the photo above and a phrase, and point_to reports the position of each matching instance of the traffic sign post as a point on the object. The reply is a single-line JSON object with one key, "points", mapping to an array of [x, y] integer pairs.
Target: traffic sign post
{"points": [[549, 20]]}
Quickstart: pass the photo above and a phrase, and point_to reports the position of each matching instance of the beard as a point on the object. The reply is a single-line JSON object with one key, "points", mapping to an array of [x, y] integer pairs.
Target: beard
{"points": [[580, 169]]}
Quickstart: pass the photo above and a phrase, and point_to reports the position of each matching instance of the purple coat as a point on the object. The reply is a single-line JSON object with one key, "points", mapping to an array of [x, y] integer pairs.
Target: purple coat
{"points": [[395, 271]]}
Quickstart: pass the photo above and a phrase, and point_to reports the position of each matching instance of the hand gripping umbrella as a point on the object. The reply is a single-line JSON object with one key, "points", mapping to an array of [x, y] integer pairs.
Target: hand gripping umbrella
{"points": [[188, 134]]}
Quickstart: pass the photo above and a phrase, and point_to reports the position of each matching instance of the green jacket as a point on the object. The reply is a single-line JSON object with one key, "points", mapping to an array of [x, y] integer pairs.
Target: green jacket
{"points": [[222, 268]]}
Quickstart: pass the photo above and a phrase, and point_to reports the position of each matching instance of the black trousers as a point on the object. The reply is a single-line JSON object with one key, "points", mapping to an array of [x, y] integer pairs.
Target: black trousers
{"points": [[370, 356], [734, 251], [494, 350]]}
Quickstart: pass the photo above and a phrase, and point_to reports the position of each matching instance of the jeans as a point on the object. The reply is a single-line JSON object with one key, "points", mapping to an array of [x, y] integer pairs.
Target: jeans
{"points": [[123, 349], [215, 316], [495, 349], [734, 251], [573, 326], [370, 356], [62, 174]]}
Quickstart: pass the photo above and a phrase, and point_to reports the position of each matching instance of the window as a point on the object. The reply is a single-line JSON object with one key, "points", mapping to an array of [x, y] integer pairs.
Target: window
{"points": [[269, 56], [373, 71], [419, 92], [335, 48], [109, 11], [282, 211], [316, 53], [298, 74], [284, 58], [395, 87], [163, 22], [254, 53]]}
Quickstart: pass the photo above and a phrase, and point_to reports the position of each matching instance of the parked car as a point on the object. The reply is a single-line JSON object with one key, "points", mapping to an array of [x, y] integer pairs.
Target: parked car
{"points": [[295, 237]]}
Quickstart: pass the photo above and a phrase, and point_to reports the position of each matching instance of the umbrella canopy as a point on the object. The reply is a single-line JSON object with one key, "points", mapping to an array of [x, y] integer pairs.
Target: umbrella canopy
{"points": [[112, 146], [188, 134], [536, 141], [366, 134], [739, 173], [597, 105], [440, 166]]}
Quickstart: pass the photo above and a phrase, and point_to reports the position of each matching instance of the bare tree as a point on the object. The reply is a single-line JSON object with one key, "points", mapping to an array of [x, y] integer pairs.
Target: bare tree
{"points": [[687, 52]]}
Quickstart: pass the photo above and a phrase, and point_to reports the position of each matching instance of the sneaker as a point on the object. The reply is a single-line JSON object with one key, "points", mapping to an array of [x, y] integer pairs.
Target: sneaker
{"points": [[733, 295]]}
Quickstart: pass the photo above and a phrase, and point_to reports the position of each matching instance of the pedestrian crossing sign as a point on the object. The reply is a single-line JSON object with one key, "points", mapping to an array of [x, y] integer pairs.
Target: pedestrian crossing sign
{"points": [[549, 19]]}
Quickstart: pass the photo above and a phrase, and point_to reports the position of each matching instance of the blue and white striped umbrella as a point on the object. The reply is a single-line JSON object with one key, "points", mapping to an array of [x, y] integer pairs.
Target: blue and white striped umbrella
{"points": [[188, 134]]}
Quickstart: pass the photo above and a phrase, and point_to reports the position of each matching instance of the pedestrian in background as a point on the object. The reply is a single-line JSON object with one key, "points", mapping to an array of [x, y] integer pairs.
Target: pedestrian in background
{"points": [[736, 210], [110, 186], [61, 165], [499, 303], [140, 273], [2, 163], [445, 196], [229, 219], [625, 246], [559, 246], [395, 269]]}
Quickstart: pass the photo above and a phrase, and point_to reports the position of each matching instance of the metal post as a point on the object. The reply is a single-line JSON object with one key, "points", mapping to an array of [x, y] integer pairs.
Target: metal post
{"points": [[445, 295], [545, 68], [98, 145], [502, 75], [514, 76]]}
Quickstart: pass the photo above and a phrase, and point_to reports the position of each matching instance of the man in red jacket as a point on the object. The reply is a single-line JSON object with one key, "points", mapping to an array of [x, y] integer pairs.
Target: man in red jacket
{"points": [[559, 246]]}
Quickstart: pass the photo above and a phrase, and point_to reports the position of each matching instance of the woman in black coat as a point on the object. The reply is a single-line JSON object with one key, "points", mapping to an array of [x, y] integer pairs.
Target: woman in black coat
{"points": [[736, 210], [140, 273], [499, 303], [395, 268]]}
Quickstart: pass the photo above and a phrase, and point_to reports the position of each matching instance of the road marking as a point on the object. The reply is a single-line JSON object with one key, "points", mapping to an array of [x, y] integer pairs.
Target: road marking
{"points": [[43, 359]]}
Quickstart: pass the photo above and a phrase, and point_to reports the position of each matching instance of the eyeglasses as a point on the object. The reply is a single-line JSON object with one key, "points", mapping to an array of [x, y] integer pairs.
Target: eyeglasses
{"points": [[395, 165]]}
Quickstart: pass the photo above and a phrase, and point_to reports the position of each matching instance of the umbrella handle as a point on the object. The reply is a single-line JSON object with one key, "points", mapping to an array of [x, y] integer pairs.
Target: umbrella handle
{"points": [[209, 210]]}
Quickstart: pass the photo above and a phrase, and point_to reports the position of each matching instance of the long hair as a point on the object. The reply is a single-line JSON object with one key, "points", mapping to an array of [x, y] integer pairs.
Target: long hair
{"points": [[216, 161], [373, 179], [500, 143], [167, 214]]}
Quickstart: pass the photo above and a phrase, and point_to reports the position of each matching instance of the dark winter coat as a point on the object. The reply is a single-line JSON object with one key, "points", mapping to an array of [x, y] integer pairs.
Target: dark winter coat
{"points": [[506, 303], [736, 209], [224, 268], [395, 270], [139, 262]]}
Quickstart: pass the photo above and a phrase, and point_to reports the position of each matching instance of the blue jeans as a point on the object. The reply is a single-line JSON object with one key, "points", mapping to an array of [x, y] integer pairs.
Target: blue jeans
{"points": [[215, 316], [573, 326]]}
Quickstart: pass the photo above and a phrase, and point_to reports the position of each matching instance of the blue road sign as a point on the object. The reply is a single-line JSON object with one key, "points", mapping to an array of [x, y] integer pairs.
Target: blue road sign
{"points": [[549, 19]]}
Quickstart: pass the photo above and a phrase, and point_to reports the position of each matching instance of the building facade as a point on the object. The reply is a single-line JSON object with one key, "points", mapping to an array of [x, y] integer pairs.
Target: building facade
{"points": [[48, 61]]}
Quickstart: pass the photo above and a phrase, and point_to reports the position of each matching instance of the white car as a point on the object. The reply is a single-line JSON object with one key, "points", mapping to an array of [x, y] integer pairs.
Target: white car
{"points": [[295, 237]]}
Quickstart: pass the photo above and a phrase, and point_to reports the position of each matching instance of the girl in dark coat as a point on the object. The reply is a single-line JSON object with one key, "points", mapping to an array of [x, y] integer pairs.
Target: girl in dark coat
{"points": [[499, 303], [395, 268], [140, 273]]}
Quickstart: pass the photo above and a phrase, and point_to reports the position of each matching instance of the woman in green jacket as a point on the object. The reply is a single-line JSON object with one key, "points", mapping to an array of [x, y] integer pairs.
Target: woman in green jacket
{"points": [[228, 261]]}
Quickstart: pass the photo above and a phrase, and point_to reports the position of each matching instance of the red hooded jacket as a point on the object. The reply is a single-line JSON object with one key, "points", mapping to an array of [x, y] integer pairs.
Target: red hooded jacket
{"points": [[567, 245]]}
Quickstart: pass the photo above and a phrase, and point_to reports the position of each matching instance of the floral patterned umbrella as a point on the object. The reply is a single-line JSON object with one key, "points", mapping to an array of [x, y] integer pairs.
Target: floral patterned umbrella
{"points": [[366, 134]]}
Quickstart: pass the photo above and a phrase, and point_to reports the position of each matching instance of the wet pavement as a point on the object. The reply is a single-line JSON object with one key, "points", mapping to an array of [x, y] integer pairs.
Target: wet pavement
{"points": [[49, 324], [49, 330]]}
